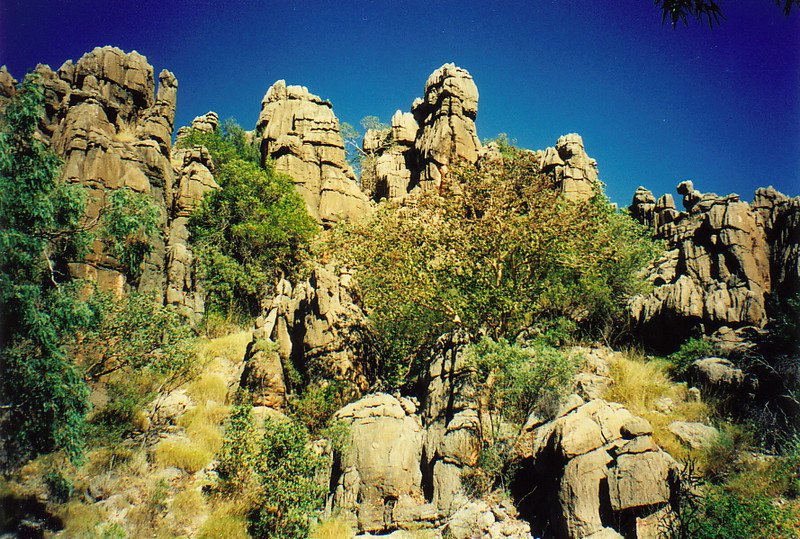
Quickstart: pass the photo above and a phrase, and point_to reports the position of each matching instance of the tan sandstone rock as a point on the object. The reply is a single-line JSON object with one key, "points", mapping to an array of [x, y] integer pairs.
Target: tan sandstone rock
{"points": [[300, 133]]}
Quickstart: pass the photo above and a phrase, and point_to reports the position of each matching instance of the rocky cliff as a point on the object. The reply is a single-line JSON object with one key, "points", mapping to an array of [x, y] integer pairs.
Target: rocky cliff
{"points": [[300, 133], [723, 256]]}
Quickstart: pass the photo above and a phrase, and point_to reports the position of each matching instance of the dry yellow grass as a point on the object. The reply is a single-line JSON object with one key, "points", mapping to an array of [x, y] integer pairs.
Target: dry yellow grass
{"points": [[182, 453], [209, 386], [185, 505], [639, 383], [333, 528], [224, 526], [231, 347]]}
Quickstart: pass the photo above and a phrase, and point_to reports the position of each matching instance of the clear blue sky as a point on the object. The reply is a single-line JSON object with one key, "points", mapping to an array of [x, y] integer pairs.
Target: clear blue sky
{"points": [[654, 105]]}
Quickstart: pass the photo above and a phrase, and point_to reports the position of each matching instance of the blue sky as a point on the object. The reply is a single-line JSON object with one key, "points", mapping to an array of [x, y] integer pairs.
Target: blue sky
{"points": [[654, 105]]}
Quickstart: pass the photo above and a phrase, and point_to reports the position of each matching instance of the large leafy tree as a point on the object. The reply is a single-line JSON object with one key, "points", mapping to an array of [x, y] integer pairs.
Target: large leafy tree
{"points": [[496, 250], [43, 397], [251, 230]]}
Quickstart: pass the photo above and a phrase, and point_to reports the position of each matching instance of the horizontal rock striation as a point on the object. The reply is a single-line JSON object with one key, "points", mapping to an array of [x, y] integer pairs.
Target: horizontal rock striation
{"points": [[300, 134]]}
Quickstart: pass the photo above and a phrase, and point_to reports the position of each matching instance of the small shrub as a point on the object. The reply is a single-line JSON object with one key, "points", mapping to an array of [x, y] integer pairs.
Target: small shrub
{"points": [[690, 351], [318, 403], [60, 487]]}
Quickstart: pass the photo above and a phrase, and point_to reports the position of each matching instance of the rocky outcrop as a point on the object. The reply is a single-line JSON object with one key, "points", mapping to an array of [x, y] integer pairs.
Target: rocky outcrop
{"points": [[574, 174], [446, 116], [779, 216], [300, 133], [716, 270], [391, 167], [593, 471], [104, 118], [378, 476], [421, 147], [452, 420], [8, 85], [193, 177], [320, 328]]}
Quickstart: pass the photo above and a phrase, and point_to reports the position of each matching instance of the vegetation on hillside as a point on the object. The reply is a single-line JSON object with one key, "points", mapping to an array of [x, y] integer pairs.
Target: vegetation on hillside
{"points": [[249, 232], [498, 252]]}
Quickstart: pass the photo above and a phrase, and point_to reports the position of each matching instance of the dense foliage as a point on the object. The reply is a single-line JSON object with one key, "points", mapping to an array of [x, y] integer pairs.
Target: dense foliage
{"points": [[42, 228], [273, 470], [43, 396], [497, 250], [250, 231]]}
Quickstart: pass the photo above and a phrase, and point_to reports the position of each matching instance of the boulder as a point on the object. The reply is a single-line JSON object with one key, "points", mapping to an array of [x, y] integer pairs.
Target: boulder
{"points": [[591, 471], [716, 374], [695, 435], [377, 474]]}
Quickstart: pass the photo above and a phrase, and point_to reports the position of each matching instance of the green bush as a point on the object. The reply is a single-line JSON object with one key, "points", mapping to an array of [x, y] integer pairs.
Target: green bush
{"points": [[496, 250], [519, 376], [138, 348], [273, 470], [693, 349], [250, 231], [129, 223]]}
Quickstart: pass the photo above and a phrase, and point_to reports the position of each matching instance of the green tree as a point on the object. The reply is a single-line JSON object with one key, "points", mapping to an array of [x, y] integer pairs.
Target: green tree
{"points": [[250, 231], [496, 250], [43, 397]]}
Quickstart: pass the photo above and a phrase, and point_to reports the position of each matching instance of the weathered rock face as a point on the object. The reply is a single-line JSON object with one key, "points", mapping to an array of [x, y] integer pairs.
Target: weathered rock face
{"points": [[300, 133], [428, 447], [7, 85], [105, 119], [193, 177], [422, 146], [320, 327], [446, 116], [574, 173], [378, 477], [452, 420], [594, 471], [716, 269], [779, 216]]}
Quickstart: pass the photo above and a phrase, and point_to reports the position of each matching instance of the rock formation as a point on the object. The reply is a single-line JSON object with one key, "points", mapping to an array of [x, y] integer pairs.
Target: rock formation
{"points": [[593, 471], [723, 255], [446, 116], [320, 328], [7, 85], [105, 119], [300, 133], [422, 146], [193, 176], [450, 413], [378, 475], [574, 174]]}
